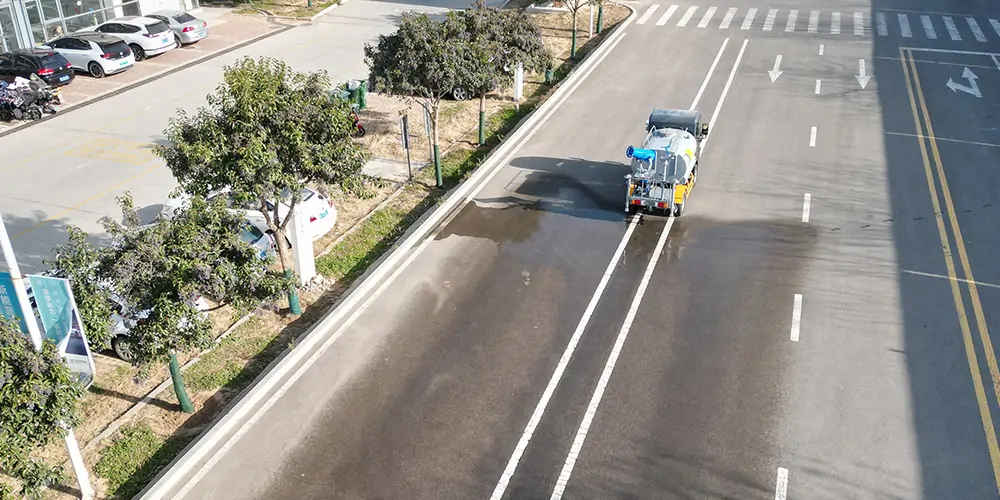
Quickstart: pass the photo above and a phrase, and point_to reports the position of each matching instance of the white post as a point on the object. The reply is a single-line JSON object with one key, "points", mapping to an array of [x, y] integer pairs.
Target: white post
{"points": [[302, 248], [591, 25], [79, 468], [518, 82]]}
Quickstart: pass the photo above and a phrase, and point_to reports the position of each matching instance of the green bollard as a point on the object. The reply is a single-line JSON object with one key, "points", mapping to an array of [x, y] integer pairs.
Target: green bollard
{"points": [[363, 95], [293, 296], [178, 380], [548, 76]]}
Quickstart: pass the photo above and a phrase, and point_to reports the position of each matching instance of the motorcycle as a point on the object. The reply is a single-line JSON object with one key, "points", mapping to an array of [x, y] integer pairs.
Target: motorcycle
{"points": [[359, 129], [26, 99]]}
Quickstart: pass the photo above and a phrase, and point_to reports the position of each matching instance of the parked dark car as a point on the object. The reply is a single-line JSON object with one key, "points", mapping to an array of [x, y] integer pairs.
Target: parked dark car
{"points": [[48, 64]]}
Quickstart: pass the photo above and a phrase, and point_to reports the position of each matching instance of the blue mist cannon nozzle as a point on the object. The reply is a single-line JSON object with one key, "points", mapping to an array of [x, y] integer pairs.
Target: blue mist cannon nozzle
{"points": [[640, 154]]}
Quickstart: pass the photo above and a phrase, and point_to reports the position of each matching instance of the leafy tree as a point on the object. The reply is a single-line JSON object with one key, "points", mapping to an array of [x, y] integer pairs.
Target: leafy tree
{"points": [[267, 132], [77, 261], [501, 39], [38, 397], [423, 60], [158, 271], [574, 7]]}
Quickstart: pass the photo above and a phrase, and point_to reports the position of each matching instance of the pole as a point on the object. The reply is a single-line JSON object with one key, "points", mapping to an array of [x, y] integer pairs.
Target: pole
{"points": [[404, 127], [591, 25], [79, 468]]}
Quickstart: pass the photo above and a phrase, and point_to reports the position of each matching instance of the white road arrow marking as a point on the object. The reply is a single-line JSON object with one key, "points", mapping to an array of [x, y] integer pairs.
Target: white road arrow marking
{"points": [[862, 77], [971, 88], [775, 73]]}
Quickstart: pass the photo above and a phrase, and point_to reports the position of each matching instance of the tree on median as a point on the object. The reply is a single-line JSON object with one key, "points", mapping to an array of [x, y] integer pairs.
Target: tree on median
{"points": [[501, 39], [38, 396], [423, 60], [574, 7], [266, 134], [77, 261]]}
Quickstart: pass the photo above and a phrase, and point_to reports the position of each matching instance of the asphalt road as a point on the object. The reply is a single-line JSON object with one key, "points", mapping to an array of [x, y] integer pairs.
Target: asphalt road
{"points": [[69, 170]]}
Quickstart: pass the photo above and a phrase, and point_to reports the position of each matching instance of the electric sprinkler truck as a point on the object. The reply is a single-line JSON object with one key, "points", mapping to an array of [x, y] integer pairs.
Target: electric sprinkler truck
{"points": [[664, 170]]}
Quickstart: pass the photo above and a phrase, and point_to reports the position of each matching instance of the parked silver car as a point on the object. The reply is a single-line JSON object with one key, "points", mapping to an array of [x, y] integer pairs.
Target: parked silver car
{"points": [[187, 28], [96, 53]]}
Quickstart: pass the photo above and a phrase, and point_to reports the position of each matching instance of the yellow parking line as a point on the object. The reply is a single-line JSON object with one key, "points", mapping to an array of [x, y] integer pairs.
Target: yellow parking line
{"points": [[86, 201], [906, 58]]}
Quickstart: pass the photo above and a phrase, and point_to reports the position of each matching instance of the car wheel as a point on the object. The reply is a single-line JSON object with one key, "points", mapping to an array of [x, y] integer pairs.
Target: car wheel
{"points": [[140, 54], [6, 115], [123, 347], [35, 113], [96, 70], [177, 43], [460, 94]]}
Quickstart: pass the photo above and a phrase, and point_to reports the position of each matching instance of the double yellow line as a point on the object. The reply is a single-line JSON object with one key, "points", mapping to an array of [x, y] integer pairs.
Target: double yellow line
{"points": [[925, 131]]}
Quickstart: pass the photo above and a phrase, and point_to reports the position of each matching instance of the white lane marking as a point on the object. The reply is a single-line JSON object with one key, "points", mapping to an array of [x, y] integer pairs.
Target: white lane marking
{"points": [[707, 17], [725, 92], [769, 21], [711, 71], [536, 416], [813, 21], [796, 317], [649, 12], [781, 488], [821, 49], [928, 27], [790, 25], [197, 453], [812, 137], [817, 87], [835, 23], [666, 15], [726, 21], [687, 16], [952, 29], [976, 31], [931, 275], [806, 201], [880, 24], [602, 383], [748, 20], [904, 25], [996, 26], [859, 24]]}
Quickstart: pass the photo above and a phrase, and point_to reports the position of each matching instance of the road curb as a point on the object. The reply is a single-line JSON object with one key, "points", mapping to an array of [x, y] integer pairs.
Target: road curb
{"points": [[149, 79], [198, 456]]}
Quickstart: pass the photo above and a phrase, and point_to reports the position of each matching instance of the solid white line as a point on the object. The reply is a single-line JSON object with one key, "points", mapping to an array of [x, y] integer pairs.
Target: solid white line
{"points": [[687, 16], [711, 70], [976, 31], [813, 21], [796, 316], [769, 21], [251, 401], [792, 16], [904, 25], [806, 201], [748, 20], [817, 87], [666, 15], [880, 24], [812, 137], [707, 17], [996, 26], [536, 416], [928, 27], [821, 49], [952, 29], [728, 19], [835, 23], [781, 488], [602, 383], [963, 280], [725, 92], [649, 12], [859, 24]]}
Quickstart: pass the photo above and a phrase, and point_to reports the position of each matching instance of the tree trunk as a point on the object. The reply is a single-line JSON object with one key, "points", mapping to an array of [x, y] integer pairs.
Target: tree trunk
{"points": [[437, 154], [600, 17], [482, 119], [293, 295], [178, 380], [572, 48]]}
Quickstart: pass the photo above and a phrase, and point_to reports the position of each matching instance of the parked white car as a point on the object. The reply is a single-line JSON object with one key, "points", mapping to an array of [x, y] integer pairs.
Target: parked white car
{"points": [[319, 208], [144, 35], [96, 53]]}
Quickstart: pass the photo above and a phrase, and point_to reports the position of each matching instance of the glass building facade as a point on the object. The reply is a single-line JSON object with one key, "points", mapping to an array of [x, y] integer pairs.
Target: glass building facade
{"points": [[24, 23]]}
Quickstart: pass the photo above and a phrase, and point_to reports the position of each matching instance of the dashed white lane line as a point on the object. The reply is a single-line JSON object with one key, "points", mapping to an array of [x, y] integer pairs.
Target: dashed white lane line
{"points": [[781, 487], [646, 15], [813, 21], [817, 87], [821, 49], [707, 17], [949, 23], [880, 24], [666, 15], [792, 16], [859, 24], [796, 318], [812, 137], [806, 202], [928, 27], [602, 383], [996, 26], [769, 21], [835, 23], [904, 25], [976, 30], [726, 21], [748, 20], [687, 16]]}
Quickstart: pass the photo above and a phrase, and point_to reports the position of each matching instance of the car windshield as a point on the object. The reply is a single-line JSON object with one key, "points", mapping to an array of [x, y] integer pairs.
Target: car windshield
{"points": [[286, 195], [157, 27], [251, 234], [53, 60], [114, 47], [184, 17]]}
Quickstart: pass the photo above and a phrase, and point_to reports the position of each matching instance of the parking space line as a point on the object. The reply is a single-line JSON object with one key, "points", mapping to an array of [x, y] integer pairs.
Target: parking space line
{"points": [[796, 317]]}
